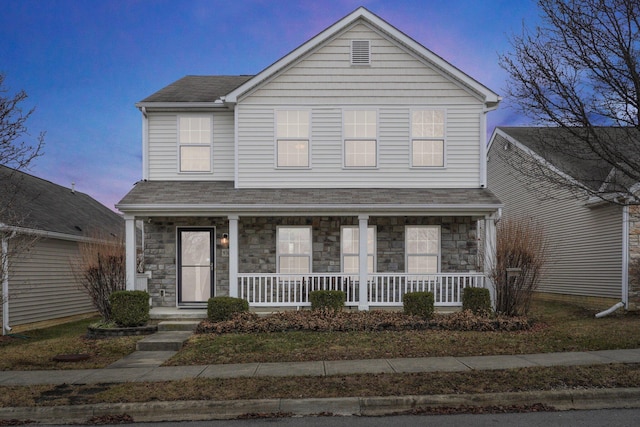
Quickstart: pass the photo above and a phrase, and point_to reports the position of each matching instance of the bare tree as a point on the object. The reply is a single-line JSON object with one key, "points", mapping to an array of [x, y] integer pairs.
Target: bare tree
{"points": [[579, 71], [17, 152]]}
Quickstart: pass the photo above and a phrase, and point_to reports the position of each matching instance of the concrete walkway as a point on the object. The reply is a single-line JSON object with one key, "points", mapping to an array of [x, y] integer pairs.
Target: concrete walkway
{"points": [[144, 366]]}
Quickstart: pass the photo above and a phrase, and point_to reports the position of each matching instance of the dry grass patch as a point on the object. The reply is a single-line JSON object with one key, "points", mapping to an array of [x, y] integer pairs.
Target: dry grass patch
{"points": [[37, 350], [512, 380]]}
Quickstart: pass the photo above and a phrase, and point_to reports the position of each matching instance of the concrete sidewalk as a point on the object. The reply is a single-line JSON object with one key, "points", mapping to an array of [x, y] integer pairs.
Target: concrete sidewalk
{"points": [[144, 366]]}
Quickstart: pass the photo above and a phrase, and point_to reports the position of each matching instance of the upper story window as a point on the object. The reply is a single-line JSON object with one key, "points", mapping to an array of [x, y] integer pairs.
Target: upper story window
{"points": [[360, 138], [350, 249], [294, 250], [194, 142], [427, 138], [422, 243], [292, 138]]}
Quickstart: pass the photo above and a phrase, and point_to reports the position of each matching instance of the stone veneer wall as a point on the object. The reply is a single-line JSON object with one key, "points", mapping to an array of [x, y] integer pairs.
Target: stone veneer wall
{"points": [[634, 258], [257, 246]]}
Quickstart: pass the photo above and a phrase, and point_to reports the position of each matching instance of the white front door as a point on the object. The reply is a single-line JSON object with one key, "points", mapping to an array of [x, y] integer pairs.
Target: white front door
{"points": [[195, 265]]}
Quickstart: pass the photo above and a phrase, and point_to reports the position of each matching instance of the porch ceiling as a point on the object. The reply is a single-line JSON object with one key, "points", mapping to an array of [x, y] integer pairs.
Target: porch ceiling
{"points": [[220, 197]]}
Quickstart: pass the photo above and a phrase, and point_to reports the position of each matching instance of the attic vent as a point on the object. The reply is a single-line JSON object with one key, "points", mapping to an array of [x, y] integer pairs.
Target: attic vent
{"points": [[360, 52]]}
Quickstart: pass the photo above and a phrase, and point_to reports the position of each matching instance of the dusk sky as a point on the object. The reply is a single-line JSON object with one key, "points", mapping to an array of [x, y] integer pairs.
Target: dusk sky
{"points": [[85, 63]]}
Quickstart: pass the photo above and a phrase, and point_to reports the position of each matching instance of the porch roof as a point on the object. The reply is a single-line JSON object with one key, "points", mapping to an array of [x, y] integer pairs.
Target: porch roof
{"points": [[149, 198]]}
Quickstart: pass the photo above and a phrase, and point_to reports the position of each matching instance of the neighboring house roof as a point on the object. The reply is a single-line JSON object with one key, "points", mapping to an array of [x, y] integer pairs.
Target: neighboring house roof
{"points": [[33, 203], [197, 89], [570, 155], [222, 197], [226, 90]]}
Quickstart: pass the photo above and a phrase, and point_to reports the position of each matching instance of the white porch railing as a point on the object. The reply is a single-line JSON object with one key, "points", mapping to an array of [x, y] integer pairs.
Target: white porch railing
{"points": [[384, 289]]}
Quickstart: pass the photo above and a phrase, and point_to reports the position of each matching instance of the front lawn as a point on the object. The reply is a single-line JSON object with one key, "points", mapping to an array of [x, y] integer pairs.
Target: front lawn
{"points": [[556, 327]]}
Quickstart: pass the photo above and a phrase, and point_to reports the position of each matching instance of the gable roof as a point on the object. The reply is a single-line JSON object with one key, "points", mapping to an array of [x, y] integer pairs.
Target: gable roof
{"points": [[362, 14], [219, 91], [36, 204], [576, 161]]}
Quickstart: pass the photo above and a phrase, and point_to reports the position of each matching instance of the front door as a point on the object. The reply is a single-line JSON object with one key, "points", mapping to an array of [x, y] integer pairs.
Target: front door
{"points": [[195, 265]]}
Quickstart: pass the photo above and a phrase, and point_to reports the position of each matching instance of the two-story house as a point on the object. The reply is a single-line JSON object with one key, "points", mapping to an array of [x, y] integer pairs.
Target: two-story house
{"points": [[356, 162]]}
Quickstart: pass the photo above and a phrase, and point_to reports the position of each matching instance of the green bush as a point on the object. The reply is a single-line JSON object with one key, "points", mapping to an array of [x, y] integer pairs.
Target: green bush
{"points": [[223, 308], [477, 300], [418, 304], [129, 308], [327, 300]]}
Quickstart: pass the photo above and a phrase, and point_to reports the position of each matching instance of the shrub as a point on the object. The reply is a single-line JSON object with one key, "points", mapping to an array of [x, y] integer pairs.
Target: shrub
{"points": [[521, 245], [223, 308], [418, 304], [129, 308], [100, 270], [327, 300], [477, 300]]}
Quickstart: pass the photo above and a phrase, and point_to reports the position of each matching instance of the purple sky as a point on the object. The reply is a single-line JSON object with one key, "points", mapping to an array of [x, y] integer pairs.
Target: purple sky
{"points": [[84, 64]]}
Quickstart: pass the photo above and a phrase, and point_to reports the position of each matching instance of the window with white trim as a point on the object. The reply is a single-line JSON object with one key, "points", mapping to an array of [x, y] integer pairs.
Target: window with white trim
{"points": [[292, 138], [360, 138], [194, 142], [422, 243], [427, 138], [294, 250], [350, 249]]}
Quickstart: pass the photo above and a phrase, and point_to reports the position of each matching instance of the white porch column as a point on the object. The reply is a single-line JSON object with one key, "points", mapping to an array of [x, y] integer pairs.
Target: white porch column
{"points": [[490, 254], [363, 264], [130, 251], [233, 256]]}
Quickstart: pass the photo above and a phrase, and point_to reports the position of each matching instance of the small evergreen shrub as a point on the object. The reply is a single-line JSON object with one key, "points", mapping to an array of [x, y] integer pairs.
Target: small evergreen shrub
{"points": [[327, 300], [418, 304], [223, 308], [477, 300], [129, 308]]}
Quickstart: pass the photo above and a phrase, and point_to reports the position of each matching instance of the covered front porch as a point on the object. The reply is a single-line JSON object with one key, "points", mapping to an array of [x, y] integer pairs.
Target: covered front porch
{"points": [[261, 246]]}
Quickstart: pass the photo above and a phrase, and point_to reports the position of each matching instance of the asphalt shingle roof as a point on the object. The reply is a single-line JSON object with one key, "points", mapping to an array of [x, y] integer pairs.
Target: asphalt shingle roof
{"points": [[224, 195], [571, 155], [197, 89], [32, 202]]}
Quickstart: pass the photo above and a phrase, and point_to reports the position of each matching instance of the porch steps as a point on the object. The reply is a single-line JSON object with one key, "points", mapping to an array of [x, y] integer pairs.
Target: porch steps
{"points": [[177, 325]]}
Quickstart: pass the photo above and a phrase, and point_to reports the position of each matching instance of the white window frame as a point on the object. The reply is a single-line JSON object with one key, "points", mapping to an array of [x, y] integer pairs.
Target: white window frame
{"points": [[295, 138], [432, 138], [347, 138], [309, 255], [436, 254], [189, 143], [356, 254]]}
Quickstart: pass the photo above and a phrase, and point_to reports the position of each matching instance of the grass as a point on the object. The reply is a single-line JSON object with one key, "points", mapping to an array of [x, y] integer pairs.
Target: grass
{"points": [[34, 350], [560, 328]]}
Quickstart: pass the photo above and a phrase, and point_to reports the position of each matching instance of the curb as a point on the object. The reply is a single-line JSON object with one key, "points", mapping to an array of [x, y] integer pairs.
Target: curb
{"points": [[202, 410]]}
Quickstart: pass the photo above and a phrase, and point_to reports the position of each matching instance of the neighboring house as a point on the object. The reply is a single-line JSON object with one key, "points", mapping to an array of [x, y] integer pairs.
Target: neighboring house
{"points": [[358, 158], [41, 227], [591, 242]]}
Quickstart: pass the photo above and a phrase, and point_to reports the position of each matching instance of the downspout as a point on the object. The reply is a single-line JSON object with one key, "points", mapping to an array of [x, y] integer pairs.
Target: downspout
{"points": [[625, 266], [483, 144], [625, 255], [5, 283], [145, 143]]}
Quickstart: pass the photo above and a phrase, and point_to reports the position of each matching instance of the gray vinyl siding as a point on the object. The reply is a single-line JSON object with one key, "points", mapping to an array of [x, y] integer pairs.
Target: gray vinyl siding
{"points": [[585, 242], [163, 148], [42, 285], [325, 83]]}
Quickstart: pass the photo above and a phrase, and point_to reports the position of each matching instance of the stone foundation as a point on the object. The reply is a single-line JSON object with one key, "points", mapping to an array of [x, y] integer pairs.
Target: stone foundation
{"points": [[634, 258]]}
